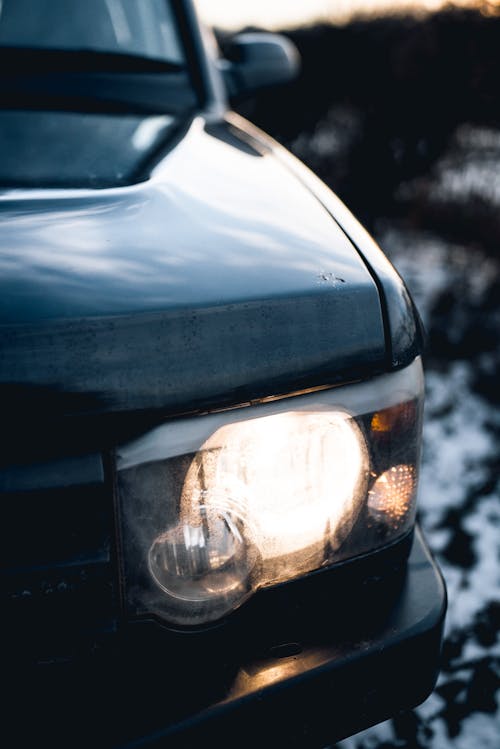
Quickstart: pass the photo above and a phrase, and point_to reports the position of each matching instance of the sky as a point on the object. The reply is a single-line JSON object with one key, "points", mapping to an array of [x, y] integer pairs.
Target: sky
{"points": [[288, 13]]}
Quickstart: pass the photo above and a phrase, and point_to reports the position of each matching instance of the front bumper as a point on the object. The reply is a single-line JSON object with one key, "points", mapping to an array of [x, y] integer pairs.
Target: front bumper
{"points": [[326, 692], [344, 673]]}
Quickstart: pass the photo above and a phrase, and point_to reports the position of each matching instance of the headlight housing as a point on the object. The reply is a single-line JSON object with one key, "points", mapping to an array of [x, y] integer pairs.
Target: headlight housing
{"points": [[214, 507]]}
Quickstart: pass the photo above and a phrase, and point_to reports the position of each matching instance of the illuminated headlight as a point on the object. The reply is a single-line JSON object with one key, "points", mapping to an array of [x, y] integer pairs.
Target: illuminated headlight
{"points": [[214, 507]]}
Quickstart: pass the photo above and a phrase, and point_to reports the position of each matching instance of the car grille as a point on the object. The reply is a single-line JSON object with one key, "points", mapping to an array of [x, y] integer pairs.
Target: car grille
{"points": [[59, 590]]}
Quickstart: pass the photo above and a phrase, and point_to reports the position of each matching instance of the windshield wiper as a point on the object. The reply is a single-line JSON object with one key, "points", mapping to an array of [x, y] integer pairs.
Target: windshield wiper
{"points": [[23, 60]]}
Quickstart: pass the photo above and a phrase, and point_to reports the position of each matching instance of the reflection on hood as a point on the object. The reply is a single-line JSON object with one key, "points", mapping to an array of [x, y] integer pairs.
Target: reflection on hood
{"points": [[74, 149]]}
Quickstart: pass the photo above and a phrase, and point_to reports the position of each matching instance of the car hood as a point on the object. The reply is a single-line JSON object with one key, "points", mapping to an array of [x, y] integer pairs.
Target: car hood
{"points": [[217, 279]]}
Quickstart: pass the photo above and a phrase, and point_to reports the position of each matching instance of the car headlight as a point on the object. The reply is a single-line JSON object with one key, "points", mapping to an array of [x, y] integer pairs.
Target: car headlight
{"points": [[214, 507]]}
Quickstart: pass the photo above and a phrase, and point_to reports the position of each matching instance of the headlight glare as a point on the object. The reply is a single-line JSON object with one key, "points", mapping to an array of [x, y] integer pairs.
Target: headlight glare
{"points": [[215, 507], [294, 477]]}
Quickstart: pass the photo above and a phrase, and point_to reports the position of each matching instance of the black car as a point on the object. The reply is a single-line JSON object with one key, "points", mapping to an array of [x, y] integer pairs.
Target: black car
{"points": [[212, 391]]}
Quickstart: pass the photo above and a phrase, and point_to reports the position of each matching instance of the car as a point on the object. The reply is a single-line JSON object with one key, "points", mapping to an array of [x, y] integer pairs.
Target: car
{"points": [[212, 390]]}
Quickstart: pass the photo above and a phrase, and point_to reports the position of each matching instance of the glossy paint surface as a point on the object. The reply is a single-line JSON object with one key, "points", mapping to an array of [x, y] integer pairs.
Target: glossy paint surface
{"points": [[221, 275], [404, 330]]}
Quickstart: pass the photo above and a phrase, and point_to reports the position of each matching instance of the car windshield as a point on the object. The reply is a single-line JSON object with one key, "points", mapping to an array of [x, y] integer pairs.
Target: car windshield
{"points": [[94, 55], [135, 27]]}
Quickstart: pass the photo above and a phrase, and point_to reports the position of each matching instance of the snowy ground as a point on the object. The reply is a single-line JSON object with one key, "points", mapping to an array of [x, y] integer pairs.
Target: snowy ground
{"points": [[457, 289], [469, 171], [459, 506]]}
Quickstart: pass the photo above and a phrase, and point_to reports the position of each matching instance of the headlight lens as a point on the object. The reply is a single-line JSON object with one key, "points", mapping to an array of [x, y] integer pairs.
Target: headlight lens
{"points": [[214, 507]]}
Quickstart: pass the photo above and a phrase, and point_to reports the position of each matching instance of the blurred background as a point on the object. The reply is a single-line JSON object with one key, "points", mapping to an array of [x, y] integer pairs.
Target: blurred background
{"points": [[397, 108]]}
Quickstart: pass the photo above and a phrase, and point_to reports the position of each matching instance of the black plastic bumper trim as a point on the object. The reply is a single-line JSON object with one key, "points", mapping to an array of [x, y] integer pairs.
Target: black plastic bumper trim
{"points": [[326, 692]]}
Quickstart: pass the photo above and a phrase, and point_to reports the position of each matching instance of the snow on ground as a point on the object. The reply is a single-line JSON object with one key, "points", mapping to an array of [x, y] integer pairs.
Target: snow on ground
{"points": [[459, 498], [328, 148], [457, 290], [468, 171], [332, 136]]}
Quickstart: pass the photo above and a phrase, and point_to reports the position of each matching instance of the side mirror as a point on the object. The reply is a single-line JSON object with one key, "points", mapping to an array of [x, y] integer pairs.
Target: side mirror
{"points": [[258, 60]]}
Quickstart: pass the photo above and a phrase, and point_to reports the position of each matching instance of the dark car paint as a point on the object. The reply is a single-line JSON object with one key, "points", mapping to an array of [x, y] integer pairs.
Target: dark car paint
{"points": [[220, 274], [248, 314], [404, 329]]}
